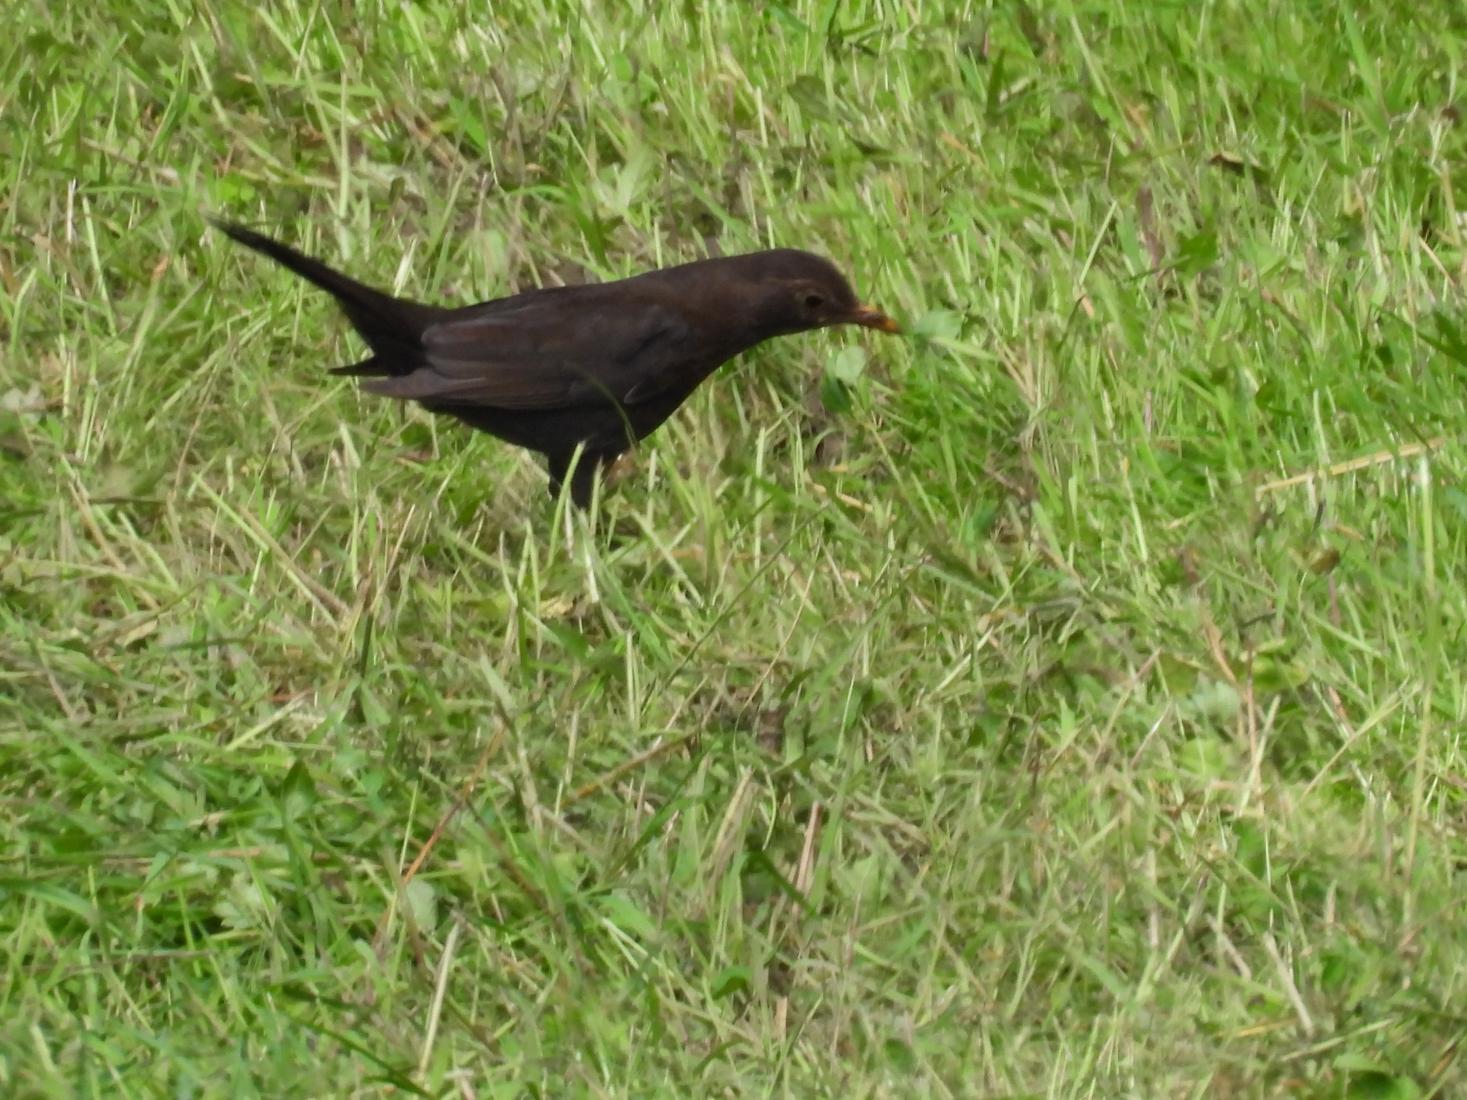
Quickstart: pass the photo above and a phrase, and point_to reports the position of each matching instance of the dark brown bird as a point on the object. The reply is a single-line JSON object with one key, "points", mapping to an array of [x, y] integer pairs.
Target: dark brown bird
{"points": [[596, 367]]}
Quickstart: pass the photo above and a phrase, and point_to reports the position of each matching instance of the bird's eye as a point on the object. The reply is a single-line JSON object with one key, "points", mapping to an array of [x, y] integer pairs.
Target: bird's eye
{"points": [[813, 301]]}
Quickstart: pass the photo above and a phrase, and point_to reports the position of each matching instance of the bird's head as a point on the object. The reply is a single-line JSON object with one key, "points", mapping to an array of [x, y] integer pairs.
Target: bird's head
{"points": [[798, 291]]}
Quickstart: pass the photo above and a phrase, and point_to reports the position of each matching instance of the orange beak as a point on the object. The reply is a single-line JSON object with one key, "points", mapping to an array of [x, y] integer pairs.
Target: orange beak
{"points": [[871, 317]]}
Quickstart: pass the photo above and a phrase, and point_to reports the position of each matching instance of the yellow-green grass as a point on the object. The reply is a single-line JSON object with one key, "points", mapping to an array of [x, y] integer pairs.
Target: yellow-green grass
{"points": [[1064, 701]]}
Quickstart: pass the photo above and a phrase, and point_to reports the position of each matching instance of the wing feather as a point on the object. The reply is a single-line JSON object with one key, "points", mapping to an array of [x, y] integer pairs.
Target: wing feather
{"points": [[547, 350]]}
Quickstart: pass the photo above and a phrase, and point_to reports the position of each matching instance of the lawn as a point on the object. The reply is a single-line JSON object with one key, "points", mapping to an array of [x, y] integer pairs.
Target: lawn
{"points": [[1055, 702]]}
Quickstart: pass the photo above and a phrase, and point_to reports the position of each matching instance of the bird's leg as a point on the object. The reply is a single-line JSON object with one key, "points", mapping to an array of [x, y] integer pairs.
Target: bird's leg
{"points": [[557, 465], [582, 478]]}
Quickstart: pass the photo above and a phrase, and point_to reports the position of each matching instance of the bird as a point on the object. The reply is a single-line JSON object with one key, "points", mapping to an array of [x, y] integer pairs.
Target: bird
{"points": [[579, 374]]}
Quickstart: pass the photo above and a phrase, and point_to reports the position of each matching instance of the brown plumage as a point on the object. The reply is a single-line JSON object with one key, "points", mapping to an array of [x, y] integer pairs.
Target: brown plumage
{"points": [[597, 366]]}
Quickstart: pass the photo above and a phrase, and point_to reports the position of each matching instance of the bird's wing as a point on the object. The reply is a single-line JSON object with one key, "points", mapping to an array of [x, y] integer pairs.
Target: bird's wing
{"points": [[548, 351]]}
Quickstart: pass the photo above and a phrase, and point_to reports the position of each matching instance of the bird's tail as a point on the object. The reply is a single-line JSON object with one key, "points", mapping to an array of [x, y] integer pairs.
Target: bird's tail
{"points": [[392, 327]]}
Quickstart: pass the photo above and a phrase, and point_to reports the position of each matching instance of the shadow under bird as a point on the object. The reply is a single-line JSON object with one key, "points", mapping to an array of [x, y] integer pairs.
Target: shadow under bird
{"points": [[586, 370]]}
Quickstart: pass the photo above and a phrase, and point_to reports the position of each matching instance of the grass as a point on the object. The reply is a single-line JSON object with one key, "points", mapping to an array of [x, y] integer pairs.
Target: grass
{"points": [[1057, 703]]}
